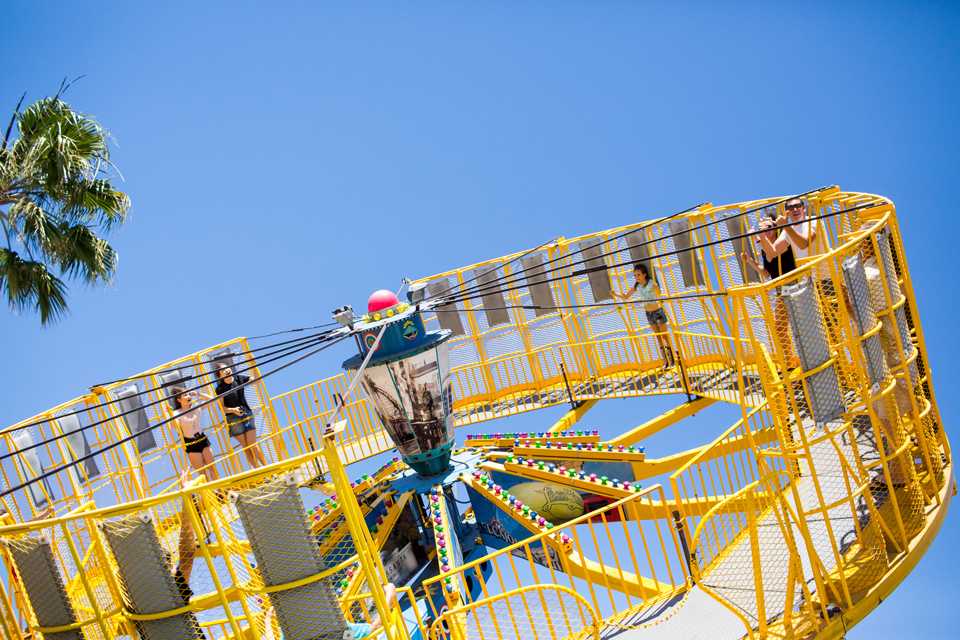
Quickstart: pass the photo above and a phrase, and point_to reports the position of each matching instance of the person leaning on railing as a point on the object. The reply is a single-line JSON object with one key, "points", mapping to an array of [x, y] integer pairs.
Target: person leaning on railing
{"points": [[807, 243], [649, 293]]}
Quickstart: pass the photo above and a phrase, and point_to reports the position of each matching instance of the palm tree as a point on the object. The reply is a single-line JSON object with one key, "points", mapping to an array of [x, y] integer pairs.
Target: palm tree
{"points": [[55, 199]]}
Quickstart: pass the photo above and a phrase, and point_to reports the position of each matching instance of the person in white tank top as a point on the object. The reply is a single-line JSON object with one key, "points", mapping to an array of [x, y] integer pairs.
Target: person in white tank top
{"points": [[801, 234], [195, 441]]}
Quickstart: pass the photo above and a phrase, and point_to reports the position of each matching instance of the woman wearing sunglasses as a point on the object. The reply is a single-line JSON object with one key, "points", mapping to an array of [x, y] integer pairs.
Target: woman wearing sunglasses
{"points": [[240, 422]]}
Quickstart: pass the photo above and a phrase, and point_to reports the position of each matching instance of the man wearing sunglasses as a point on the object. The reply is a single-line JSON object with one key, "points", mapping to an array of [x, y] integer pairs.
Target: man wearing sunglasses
{"points": [[800, 233]]}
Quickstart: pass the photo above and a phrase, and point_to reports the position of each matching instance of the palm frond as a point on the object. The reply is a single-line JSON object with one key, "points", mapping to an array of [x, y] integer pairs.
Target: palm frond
{"points": [[79, 252], [27, 283], [55, 182], [94, 200]]}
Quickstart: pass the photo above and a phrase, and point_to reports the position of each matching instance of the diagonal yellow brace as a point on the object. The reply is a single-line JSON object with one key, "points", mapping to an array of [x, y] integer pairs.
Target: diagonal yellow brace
{"points": [[572, 416], [662, 421]]}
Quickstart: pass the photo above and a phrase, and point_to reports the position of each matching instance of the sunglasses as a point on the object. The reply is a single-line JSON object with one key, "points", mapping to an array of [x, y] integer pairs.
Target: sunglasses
{"points": [[793, 207]]}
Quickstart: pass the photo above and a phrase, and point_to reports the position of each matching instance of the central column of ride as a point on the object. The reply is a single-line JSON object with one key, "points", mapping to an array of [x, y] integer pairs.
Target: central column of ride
{"points": [[408, 381]]}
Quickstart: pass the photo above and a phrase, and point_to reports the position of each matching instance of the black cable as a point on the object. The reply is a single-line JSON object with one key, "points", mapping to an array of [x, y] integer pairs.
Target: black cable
{"points": [[132, 436], [290, 351], [684, 296], [301, 340], [603, 267], [188, 366], [494, 268], [513, 276], [676, 252], [277, 333], [602, 255], [668, 236]]}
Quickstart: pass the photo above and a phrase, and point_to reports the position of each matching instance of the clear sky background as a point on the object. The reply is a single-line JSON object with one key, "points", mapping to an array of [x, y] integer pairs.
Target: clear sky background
{"points": [[286, 158]]}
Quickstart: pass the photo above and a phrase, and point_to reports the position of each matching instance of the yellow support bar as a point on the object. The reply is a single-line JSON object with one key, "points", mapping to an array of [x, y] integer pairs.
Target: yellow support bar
{"points": [[572, 416], [563, 545], [443, 532], [367, 553], [662, 421]]}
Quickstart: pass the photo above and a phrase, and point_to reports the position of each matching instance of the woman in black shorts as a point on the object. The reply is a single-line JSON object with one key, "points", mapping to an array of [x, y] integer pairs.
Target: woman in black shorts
{"points": [[195, 440]]}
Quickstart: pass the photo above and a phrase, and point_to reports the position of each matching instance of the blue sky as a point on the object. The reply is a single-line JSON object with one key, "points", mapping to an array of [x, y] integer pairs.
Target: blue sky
{"points": [[284, 161]]}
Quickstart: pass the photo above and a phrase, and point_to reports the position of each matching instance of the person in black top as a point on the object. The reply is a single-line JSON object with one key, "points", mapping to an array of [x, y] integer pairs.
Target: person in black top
{"points": [[778, 260], [775, 263], [240, 420]]}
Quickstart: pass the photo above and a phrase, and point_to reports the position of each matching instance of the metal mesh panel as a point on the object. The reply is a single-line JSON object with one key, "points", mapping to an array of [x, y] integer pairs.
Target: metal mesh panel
{"points": [[689, 260], [737, 225], [275, 522], [811, 342], [536, 281], [31, 467], [447, 315], [79, 447], [494, 306], [637, 244], [147, 578], [135, 417], [44, 585], [862, 309], [893, 286], [599, 279]]}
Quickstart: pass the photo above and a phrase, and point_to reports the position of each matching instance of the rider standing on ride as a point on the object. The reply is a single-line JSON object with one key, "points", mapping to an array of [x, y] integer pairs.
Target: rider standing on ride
{"points": [[240, 420], [646, 285]]}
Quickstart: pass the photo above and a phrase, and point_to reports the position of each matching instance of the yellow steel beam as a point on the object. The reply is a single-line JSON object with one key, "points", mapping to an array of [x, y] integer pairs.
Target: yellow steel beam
{"points": [[572, 416], [662, 421]]}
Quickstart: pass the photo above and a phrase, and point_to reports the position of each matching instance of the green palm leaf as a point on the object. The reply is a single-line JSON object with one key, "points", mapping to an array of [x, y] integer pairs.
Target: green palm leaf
{"points": [[56, 199]]}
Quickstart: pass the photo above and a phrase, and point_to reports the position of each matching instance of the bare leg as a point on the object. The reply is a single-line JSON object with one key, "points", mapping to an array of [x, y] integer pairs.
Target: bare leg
{"points": [[251, 438], [247, 453], [664, 340], [257, 450], [209, 470], [251, 450], [196, 460]]}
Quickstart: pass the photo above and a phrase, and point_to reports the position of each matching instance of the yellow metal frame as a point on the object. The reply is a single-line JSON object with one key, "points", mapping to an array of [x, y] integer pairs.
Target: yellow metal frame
{"points": [[733, 348]]}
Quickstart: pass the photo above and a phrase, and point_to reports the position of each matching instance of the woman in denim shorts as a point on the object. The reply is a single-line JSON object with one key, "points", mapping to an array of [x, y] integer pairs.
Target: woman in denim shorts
{"points": [[649, 292], [240, 420]]}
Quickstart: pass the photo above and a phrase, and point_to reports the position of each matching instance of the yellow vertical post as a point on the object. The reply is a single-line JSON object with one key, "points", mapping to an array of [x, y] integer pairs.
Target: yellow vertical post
{"points": [[367, 554], [98, 612], [757, 567]]}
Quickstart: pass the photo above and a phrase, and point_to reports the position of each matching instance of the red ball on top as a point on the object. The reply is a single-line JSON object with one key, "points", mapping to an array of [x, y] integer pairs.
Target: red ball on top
{"points": [[380, 300]]}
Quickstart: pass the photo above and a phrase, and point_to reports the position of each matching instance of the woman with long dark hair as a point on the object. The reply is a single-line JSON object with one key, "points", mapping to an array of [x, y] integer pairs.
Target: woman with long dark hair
{"points": [[195, 441], [240, 422], [649, 290]]}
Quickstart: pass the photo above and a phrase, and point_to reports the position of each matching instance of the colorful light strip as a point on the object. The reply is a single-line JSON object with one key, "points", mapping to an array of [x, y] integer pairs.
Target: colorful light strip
{"points": [[586, 451], [442, 535], [522, 513], [571, 477], [515, 438]]}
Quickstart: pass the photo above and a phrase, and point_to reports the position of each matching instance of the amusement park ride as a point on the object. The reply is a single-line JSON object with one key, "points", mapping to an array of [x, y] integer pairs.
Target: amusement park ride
{"points": [[794, 522]]}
